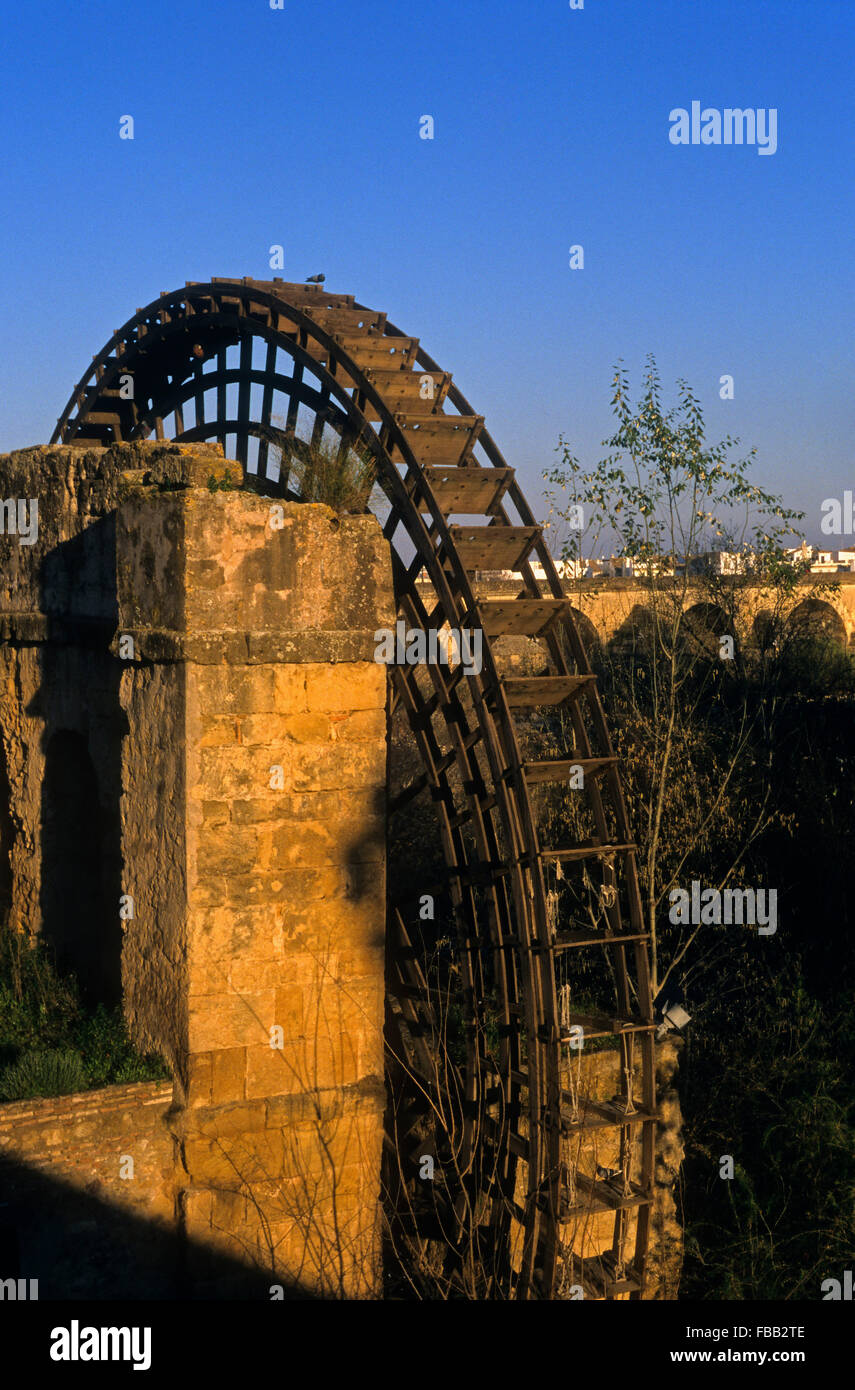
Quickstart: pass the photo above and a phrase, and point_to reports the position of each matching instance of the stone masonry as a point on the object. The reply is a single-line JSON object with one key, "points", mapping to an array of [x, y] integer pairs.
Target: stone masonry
{"points": [[218, 691]]}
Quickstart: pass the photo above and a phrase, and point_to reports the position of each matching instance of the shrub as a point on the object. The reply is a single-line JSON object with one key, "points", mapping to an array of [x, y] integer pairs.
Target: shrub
{"points": [[325, 472], [55, 1073], [107, 1053], [41, 1015]]}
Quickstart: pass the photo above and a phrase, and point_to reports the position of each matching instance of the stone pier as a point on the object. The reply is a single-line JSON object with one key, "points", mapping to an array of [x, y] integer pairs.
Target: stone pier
{"points": [[225, 706]]}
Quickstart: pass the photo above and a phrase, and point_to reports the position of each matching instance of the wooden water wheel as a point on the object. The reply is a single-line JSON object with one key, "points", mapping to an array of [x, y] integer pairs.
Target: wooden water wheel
{"points": [[254, 364]]}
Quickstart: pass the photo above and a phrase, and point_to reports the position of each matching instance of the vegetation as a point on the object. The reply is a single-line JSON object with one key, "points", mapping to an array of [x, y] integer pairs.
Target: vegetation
{"points": [[43, 1074], [738, 757], [224, 484], [50, 1043], [339, 474]]}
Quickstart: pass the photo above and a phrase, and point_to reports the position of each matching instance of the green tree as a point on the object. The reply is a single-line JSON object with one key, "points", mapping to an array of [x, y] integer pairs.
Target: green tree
{"points": [[733, 768], [698, 727]]}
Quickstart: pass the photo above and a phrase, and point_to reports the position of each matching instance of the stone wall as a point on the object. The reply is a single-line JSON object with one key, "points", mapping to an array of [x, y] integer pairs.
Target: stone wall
{"points": [[69, 1161], [61, 721], [596, 1076], [665, 1255], [225, 700], [257, 744]]}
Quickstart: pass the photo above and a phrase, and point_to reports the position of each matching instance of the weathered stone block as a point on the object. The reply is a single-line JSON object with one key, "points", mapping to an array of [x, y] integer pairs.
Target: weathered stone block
{"points": [[274, 1071], [365, 726], [344, 689], [225, 935], [228, 1020], [354, 766], [217, 1121], [290, 688], [238, 772], [254, 975], [228, 1081], [230, 849], [233, 690]]}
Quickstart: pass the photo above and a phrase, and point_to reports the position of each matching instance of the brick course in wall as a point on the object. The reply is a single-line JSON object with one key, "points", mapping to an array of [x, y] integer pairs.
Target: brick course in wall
{"points": [[71, 1166]]}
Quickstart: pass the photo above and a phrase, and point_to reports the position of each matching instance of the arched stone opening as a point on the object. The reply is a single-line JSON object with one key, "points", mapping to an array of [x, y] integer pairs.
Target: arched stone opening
{"points": [[814, 619], [636, 634], [588, 633], [763, 630], [703, 625], [77, 921]]}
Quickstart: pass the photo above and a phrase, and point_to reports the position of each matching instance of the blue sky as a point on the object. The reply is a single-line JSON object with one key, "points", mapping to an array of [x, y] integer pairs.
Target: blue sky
{"points": [[301, 127]]}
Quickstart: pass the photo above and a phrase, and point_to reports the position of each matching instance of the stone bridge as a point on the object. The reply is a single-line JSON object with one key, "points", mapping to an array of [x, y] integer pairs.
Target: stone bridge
{"points": [[621, 608]]}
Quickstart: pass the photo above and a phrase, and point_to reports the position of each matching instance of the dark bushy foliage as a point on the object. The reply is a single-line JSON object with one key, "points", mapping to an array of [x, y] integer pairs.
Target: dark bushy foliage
{"points": [[41, 1016], [42, 1074]]}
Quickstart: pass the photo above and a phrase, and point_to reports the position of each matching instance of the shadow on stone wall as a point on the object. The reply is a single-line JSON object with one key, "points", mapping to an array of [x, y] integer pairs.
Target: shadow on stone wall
{"points": [[83, 724], [78, 918], [80, 1247], [7, 833], [366, 856]]}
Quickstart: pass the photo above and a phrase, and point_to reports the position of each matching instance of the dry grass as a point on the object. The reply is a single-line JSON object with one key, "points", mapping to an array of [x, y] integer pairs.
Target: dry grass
{"points": [[340, 476]]}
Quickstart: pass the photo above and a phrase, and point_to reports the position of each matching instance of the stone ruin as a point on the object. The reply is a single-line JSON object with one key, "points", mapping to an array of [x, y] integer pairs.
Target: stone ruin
{"points": [[192, 792], [193, 814]]}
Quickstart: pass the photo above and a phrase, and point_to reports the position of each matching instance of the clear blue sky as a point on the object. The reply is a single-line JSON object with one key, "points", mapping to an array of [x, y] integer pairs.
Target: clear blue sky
{"points": [[301, 126]]}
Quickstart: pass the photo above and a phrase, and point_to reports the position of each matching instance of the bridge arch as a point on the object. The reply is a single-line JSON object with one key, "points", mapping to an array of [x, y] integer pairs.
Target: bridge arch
{"points": [[636, 632], [815, 619], [763, 629], [704, 624], [587, 632]]}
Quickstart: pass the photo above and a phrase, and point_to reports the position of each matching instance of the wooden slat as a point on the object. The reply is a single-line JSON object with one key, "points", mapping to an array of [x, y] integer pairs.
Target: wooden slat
{"points": [[518, 1145], [471, 491], [349, 321], [566, 941], [401, 391], [103, 393], [602, 1196], [597, 1276], [521, 617], [493, 547], [607, 1025], [103, 417], [443, 440], [601, 1115], [295, 292], [558, 769], [587, 849], [370, 350], [527, 692]]}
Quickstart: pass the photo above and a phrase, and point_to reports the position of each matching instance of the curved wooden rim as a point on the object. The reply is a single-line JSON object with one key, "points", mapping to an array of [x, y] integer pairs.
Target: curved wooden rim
{"points": [[506, 937]]}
